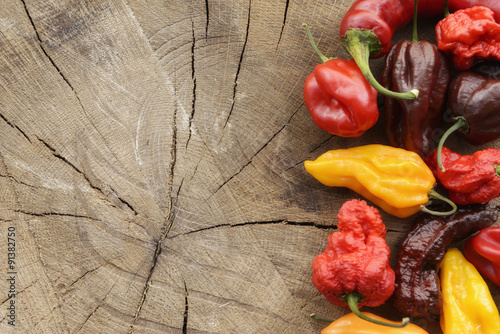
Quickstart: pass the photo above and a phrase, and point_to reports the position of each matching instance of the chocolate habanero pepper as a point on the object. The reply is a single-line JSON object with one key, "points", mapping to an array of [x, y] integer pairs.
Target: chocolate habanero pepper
{"points": [[421, 251], [352, 324], [483, 251], [339, 98], [468, 178], [468, 306], [396, 180], [354, 269], [412, 124], [469, 34], [474, 102]]}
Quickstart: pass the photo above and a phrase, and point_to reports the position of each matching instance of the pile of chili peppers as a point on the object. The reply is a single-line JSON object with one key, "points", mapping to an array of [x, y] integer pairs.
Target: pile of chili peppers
{"points": [[435, 277]]}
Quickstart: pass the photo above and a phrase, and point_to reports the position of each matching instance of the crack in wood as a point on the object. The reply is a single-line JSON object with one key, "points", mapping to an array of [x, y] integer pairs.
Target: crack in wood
{"points": [[15, 127], [193, 78], [45, 214], [207, 14], [186, 308], [284, 22], [239, 64]]}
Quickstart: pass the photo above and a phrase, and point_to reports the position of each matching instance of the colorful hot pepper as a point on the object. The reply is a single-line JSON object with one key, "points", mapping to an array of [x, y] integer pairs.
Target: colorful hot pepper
{"points": [[474, 101], [412, 124], [469, 34], [469, 178], [339, 98], [483, 251], [468, 306], [354, 269], [352, 324], [417, 291], [396, 180]]}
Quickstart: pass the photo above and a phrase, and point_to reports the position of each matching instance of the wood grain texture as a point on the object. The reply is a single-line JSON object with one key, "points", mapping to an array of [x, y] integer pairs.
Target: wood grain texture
{"points": [[151, 162]]}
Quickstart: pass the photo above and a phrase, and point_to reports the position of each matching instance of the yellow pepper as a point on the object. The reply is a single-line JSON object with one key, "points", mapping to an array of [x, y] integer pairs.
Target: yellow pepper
{"points": [[396, 180], [468, 307], [352, 324]]}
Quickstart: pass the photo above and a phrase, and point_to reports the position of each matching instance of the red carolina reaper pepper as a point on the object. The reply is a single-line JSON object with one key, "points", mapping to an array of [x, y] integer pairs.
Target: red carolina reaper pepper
{"points": [[469, 178], [469, 34], [354, 269], [339, 98], [483, 251]]}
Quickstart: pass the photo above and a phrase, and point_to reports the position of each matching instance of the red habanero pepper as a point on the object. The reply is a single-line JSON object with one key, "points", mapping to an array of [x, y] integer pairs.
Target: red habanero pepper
{"points": [[483, 251], [354, 269], [469, 34], [469, 178], [339, 98]]}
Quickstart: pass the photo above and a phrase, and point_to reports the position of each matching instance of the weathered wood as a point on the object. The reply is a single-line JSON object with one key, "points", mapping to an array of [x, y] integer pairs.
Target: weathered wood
{"points": [[151, 165]]}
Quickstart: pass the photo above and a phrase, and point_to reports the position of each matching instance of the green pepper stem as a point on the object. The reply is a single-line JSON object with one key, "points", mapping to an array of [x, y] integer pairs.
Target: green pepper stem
{"points": [[360, 43], [446, 10], [497, 170], [314, 317], [324, 58], [353, 299], [461, 124], [435, 195], [414, 37]]}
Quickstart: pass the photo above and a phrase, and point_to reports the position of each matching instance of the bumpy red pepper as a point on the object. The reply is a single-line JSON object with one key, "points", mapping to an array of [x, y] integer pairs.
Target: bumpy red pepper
{"points": [[469, 34], [469, 178], [483, 251], [339, 98], [354, 269]]}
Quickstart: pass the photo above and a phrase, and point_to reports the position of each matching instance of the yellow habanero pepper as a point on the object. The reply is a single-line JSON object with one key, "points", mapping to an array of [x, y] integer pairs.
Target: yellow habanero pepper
{"points": [[396, 180], [468, 307], [352, 324]]}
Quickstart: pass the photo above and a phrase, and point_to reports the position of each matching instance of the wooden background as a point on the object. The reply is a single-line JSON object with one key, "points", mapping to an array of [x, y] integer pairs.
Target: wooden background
{"points": [[151, 164]]}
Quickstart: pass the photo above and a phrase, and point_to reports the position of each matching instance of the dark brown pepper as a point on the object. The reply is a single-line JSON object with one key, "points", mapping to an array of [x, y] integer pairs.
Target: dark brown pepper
{"points": [[418, 290], [413, 124]]}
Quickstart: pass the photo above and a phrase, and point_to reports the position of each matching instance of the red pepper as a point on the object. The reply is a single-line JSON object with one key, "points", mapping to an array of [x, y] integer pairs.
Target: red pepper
{"points": [[367, 28], [354, 269], [339, 98], [468, 178], [469, 34], [483, 251]]}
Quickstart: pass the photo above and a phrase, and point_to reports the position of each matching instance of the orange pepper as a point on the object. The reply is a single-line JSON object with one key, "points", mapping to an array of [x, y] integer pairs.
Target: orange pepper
{"points": [[352, 324]]}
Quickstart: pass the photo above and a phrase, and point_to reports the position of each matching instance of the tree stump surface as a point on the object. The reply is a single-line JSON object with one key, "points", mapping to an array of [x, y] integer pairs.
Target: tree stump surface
{"points": [[151, 166]]}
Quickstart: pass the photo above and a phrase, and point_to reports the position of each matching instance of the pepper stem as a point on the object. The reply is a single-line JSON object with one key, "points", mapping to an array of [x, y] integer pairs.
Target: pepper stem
{"points": [[414, 37], [461, 124], [497, 170], [314, 317], [435, 195], [360, 43], [446, 10], [353, 299], [324, 58]]}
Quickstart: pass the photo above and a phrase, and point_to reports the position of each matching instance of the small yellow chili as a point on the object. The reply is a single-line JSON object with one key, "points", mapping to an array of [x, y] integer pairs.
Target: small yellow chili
{"points": [[396, 180], [467, 303], [352, 324]]}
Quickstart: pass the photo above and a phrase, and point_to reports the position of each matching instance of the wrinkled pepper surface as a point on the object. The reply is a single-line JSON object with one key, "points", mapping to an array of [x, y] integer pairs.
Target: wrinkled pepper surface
{"points": [[339, 98], [417, 292], [474, 102], [469, 34], [468, 306], [483, 251], [354, 269], [469, 178], [396, 180], [352, 324]]}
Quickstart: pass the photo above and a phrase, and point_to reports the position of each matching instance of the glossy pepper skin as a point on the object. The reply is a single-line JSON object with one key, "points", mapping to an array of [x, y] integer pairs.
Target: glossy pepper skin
{"points": [[483, 251], [396, 180], [468, 306], [339, 98], [412, 124], [469, 178], [421, 251], [474, 101], [352, 324], [469, 34]]}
